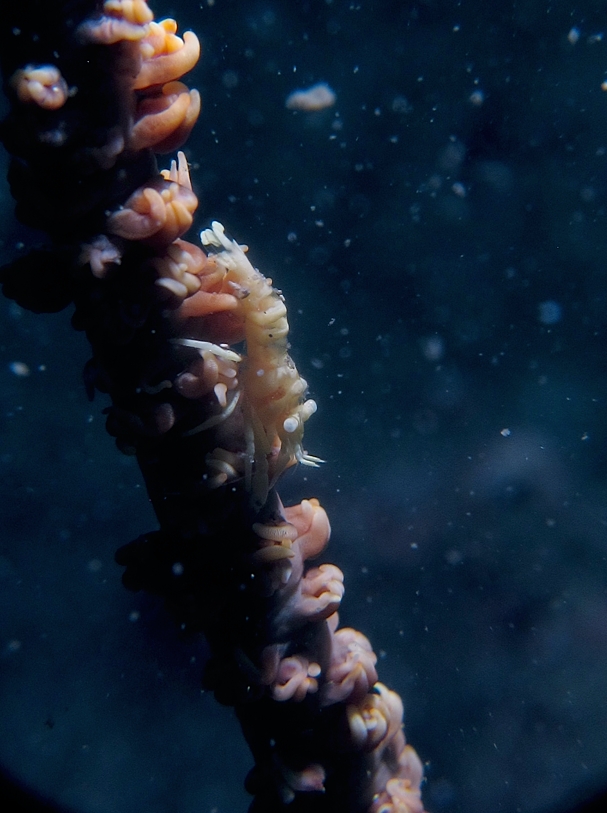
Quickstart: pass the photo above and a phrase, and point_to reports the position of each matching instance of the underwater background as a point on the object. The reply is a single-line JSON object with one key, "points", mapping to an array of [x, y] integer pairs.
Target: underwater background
{"points": [[440, 235]]}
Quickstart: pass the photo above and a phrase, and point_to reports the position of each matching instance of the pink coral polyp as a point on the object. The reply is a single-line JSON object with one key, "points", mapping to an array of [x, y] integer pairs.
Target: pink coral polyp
{"points": [[166, 56], [42, 85], [164, 121]]}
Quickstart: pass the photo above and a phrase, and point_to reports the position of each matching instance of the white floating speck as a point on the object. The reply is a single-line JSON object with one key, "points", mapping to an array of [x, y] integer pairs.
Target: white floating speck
{"points": [[549, 312], [433, 348], [19, 368], [317, 97]]}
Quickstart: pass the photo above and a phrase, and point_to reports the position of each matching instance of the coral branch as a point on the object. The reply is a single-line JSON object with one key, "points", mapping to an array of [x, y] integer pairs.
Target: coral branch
{"points": [[191, 343]]}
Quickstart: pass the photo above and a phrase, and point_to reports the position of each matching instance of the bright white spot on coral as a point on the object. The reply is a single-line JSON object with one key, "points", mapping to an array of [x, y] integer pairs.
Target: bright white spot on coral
{"points": [[220, 391], [216, 349], [290, 425], [308, 409]]}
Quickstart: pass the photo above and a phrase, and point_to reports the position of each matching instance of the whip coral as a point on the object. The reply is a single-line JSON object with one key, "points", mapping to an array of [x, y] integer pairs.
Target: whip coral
{"points": [[191, 344]]}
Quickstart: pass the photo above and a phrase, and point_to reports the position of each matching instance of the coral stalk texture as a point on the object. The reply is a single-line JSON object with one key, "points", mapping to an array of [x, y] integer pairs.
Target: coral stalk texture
{"points": [[191, 344]]}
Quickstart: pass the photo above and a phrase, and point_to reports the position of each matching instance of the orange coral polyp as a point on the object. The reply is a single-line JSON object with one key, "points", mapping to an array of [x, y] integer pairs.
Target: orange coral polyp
{"points": [[100, 254], [165, 120], [190, 258], [212, 296], [42, 85], [133, 11], [143, 215], [207, 374], [205, 303], [322, 589], [179, 172], [160, 39], [401, 793], [296, 678], [122, 20], [178, 270], [352, 672], [110, 30], [312, 524], [181, 133], [179, 215], [166, 56], [157, 214]]}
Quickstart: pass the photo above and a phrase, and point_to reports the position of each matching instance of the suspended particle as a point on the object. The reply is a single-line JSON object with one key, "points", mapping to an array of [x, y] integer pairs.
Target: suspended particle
{"points": [[317, 97]]}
